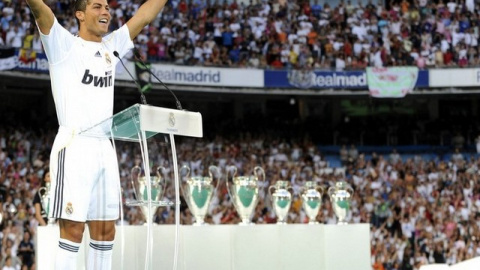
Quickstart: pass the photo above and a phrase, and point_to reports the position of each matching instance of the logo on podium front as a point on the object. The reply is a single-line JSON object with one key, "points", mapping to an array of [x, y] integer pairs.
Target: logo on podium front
{"points": [[171, 120]]}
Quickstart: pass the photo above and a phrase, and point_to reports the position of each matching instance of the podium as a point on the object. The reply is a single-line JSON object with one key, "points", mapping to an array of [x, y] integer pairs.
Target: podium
{"points": [[137, 124], [234, 247]]}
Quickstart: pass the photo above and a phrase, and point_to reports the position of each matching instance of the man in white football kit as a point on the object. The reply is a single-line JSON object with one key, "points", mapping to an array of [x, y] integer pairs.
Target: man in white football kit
{"points": [[84, 170]]}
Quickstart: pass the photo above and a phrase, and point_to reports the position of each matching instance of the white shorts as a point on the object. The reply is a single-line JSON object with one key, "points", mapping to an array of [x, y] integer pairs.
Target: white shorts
{"points": [[85, 178]]}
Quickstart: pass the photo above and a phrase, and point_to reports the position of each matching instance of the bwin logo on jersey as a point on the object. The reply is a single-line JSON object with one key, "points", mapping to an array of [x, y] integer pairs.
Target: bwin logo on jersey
{"points": [[98, 81]]}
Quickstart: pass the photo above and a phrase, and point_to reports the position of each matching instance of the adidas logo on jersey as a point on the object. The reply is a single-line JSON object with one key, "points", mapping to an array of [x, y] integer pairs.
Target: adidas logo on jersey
{"points": [[97, 54], [98, 81]]}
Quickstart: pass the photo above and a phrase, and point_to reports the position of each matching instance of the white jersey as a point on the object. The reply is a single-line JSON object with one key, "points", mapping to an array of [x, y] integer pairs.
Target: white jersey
{"points": [[82, 74]]}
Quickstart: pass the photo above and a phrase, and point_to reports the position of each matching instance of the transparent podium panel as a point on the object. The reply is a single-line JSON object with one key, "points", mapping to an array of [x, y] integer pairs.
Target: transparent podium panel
{"points": [[124, 126], [148, 167], [128, 124]]}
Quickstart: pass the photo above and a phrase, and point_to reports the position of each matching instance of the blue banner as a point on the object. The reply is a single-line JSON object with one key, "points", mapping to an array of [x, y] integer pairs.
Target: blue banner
{"points": [[423, 80], [38, 63], [325, 79]]}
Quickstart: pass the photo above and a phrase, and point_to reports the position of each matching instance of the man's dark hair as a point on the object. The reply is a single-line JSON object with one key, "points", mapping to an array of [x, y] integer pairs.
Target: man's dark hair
{"points": [[79, 5]]}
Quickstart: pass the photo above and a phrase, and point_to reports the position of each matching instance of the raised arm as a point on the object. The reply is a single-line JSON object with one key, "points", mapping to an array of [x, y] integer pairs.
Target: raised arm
{"points": [[43, 15], [144, 15]]}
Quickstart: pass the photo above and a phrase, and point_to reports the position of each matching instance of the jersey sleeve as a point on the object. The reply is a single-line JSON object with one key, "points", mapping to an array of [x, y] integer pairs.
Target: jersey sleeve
{"points": [[119, 40], [57, 43]]}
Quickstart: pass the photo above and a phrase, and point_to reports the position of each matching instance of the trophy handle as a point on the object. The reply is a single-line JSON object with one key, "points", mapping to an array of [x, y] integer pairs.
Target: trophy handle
{"points": [[135, 174], [214, 171], [185, 168], [161, 176], [350, 189], [259, 169], [233, 169], [184, 173], [234, 172], [270, 188], [330, 191], [321, 189]]}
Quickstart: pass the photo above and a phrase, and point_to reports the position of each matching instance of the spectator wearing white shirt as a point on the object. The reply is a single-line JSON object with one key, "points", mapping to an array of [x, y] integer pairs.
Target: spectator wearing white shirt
{"points": [[265, 9], [198, 53], [14, 36], [451, 5], [357, 47], [235, 27], [166, 30], [359, 30], [457, 37], [395, 26], [292, 37], [444, 44], [337, 44], [377, 57], [340, 63]]}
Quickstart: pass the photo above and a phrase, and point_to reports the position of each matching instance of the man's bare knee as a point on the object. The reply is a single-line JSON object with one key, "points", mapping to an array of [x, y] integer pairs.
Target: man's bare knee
{"points": [[71, 230], [102, 230]]}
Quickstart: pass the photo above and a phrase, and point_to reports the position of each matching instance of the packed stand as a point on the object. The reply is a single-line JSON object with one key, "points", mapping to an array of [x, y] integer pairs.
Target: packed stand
{"points": [[280, 34], [420, 212]]}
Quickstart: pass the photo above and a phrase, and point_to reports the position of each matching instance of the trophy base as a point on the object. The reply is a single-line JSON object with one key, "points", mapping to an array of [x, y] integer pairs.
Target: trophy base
{"points": [[342, 223], [144, 203], [281, 222], [246, 223], [146, 224], [313, 223], [200, 224]]}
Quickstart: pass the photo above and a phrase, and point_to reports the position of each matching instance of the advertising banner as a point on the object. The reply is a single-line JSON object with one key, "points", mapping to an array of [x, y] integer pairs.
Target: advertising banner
{"points": [[454, 77], [7, 58], [209, 76], [351, 80], [309, 79], [37, 64]]}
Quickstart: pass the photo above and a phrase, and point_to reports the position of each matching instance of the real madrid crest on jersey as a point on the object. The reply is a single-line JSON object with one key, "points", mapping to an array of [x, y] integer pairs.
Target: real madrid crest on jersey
{"points": [[69, 209], [108, 59]]}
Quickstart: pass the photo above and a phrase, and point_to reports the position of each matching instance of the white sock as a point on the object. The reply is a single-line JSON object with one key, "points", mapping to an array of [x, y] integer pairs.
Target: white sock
{"points": [[100, 255], [66, 257]]}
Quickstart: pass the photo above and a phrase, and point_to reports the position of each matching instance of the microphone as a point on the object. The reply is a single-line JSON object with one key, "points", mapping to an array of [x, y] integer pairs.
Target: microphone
{"points": [[139, 58], [142, 96]]}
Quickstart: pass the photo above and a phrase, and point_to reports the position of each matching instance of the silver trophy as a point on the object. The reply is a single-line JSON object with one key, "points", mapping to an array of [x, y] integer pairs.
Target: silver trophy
{"points": [[140, 188], [44, 193], [198, 191], [311, 194], [340, 196], [281, 194], [244, 192]]}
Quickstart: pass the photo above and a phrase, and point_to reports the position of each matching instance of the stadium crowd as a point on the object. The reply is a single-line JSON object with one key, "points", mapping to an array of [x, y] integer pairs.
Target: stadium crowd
{"points": [[420, 211], [285, 34]]}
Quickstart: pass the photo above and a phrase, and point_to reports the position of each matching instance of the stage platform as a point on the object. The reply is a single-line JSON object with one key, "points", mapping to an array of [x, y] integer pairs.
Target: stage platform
{"points": [[235, 247]]}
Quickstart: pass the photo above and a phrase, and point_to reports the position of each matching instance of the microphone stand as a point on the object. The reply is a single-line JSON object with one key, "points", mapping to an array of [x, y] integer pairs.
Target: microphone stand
{"points": [[142, 96], [139, 58]]}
